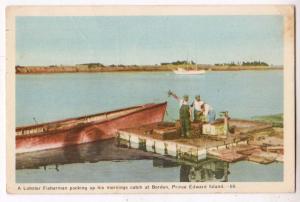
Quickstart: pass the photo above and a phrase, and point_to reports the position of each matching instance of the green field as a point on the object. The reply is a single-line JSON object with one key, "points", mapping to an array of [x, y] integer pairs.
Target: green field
{"points": [[276, 119]]}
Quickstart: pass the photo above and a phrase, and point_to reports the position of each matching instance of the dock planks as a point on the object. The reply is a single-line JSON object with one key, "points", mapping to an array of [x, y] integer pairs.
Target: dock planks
{"points": [[231, 148]]}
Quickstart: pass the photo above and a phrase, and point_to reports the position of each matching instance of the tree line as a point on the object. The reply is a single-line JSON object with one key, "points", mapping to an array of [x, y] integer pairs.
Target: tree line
{"points": [[244, 63], [179, 62]]}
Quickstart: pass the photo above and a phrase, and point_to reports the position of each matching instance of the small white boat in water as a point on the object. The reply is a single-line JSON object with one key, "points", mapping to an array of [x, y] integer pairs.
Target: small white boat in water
{"points": [[188, 72]]}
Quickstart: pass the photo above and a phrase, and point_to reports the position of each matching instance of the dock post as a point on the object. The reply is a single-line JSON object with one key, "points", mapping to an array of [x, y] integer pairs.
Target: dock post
{"points": [[118, 139], [129, 142], [153, 147], [178, 152], [166, 149], [142, 144]]}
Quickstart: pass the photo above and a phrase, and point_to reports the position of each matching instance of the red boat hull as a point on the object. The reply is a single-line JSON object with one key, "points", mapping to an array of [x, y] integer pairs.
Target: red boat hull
{"points": [[148, 114]]}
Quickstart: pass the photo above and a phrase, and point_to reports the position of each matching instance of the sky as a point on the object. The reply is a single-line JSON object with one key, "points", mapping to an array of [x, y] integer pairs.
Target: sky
{"points": [[142, 40]]}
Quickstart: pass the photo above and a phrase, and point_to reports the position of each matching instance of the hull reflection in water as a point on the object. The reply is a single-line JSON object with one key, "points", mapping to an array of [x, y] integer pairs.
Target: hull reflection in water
{"points": [[208, 170], [105, 150]]}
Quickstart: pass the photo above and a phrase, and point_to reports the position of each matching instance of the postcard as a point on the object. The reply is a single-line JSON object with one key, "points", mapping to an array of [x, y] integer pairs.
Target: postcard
{"points": [[150, 99]]}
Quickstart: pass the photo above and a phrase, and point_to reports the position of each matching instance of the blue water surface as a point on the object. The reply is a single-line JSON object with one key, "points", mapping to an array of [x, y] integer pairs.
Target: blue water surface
{"points": [[49, 97]]}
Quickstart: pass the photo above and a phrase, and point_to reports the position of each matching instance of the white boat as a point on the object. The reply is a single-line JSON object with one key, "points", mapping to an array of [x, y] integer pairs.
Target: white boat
{"points": [[187, 72]]}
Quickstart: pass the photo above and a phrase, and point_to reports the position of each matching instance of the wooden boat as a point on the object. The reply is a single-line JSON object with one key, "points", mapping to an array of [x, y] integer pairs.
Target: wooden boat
{"points": [[85, 129], [188, 72]]}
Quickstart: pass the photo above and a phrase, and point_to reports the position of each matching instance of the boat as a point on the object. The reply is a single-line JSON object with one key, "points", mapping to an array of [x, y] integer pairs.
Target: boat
{"points": [[85, 129], [188, 72]]}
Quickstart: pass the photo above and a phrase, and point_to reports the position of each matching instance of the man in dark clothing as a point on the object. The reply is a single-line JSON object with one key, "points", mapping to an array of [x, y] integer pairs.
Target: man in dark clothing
{"points": [[185, 117], [184, 114]]}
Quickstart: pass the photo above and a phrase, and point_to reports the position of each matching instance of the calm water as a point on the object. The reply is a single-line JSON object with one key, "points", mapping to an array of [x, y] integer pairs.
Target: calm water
{"points": [[145, 171], [56, 96]]}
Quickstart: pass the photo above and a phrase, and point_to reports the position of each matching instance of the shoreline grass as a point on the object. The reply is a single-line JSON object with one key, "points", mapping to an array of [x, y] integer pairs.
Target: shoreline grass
{"points": [[146, 68], [275, 119]]}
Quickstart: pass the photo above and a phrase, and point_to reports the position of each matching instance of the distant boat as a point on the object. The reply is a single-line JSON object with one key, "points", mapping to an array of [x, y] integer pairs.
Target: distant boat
{"points": [[188, 72], [86, 129]]}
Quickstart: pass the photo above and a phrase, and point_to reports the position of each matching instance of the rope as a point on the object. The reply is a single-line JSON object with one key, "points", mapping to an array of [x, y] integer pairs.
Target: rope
{"points": [[167, 113]]}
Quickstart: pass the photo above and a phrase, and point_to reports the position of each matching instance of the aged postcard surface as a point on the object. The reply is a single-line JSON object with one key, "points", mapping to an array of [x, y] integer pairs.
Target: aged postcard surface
{"points": [[150, 99]]}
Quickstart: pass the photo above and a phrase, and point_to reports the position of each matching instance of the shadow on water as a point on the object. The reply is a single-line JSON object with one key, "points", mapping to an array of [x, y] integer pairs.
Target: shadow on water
{"points": [[108, 150]]}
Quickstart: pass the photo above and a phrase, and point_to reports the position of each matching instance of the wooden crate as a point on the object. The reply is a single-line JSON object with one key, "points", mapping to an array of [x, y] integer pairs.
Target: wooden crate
{"points": [[168, 133], [213, 129], [196, 128]]}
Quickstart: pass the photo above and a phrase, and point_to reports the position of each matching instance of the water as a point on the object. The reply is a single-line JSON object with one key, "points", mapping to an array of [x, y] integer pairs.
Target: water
{"points": [[51, 97], [144, 171], [106, 162]]}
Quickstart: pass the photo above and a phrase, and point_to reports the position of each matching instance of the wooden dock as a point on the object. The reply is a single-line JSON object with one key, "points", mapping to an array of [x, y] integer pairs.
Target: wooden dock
{"points": [[164, 139]]}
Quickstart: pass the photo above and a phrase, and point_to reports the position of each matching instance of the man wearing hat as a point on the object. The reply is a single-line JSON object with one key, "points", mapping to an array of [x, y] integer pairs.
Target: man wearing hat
{"points": [[197, 106], [184, 114]]}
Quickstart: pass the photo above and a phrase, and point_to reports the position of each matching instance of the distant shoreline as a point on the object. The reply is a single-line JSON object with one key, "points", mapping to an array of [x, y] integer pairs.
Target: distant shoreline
{"points": [[146, 68]]}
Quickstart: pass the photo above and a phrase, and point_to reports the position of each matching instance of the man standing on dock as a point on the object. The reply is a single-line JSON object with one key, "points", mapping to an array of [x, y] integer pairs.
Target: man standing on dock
{"points": [[197, 106], [184, 114]]}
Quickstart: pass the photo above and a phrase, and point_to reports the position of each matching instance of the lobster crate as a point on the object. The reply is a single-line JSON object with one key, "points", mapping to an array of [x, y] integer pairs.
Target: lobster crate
{"points": [[167, 133], [216, 128]]}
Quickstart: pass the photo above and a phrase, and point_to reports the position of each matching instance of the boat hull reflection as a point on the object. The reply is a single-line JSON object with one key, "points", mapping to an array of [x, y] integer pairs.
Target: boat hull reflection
{"points": [[208, 170], [105, 150]]}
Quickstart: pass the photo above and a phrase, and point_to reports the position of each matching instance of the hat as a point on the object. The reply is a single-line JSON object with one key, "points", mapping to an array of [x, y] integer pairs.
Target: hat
{"points": [[185, 96]]}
